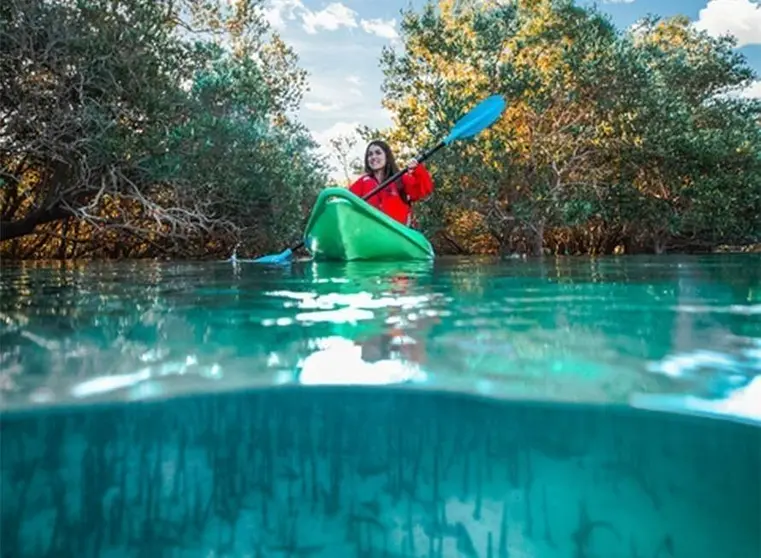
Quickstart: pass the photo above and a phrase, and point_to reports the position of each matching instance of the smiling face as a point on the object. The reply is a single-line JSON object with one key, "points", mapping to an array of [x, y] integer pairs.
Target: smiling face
{"points": [[375, 157], [379, 160]]}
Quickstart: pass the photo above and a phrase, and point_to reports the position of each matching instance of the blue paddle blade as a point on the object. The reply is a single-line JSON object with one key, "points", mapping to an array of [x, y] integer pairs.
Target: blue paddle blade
{"points": [[480, 117], [282, 257]]}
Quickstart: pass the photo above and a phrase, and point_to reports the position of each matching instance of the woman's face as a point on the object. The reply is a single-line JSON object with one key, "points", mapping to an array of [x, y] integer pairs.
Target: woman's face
{"points": [[376, 158]]}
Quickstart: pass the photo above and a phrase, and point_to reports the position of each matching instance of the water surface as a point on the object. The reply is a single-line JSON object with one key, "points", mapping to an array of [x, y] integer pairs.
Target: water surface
{"points": [[665, 332]]}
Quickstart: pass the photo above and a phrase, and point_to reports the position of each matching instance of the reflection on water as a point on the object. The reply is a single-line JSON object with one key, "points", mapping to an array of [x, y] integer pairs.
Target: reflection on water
{"points": [[661, 333], [339, 361]]}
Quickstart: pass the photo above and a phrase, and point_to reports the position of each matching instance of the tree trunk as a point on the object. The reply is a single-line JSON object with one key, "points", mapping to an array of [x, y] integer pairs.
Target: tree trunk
{"points": [[538, 244], [659, 244], [28, 224]]}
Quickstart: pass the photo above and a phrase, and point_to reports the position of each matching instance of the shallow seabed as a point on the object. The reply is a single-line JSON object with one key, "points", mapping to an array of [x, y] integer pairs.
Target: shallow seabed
{"points": [[361, 472]]}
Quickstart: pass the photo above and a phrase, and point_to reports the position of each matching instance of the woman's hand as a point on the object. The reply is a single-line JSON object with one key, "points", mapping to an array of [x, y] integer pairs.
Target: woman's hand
{"points": [[411, 165]]}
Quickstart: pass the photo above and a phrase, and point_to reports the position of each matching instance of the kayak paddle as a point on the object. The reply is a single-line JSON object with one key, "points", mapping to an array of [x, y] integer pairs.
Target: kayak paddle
{"points": [[480, 117]]}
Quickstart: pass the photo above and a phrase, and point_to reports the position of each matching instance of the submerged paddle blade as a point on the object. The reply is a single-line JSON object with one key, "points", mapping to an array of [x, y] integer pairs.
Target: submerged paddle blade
{"points": [[282, 257], [480, 117]]}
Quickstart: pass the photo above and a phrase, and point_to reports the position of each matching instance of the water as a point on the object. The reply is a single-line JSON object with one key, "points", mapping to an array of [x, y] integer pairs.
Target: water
{"points": [[550, 408], [678, 333]]}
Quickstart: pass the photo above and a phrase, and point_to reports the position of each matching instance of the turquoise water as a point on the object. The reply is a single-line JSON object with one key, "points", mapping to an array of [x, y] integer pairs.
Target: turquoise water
{"points": [[472, 407], [682, 333]]}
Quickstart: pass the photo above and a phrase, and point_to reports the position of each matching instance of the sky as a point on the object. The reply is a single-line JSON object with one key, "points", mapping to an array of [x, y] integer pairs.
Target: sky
{"points": [[339, 43]]}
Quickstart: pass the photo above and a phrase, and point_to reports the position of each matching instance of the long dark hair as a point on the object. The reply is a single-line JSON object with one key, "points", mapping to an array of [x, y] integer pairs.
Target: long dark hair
{"points": [[391, 167]]}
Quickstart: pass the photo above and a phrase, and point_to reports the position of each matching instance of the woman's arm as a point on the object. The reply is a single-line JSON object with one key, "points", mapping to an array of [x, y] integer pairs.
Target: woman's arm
{"points": [[418, 183]]}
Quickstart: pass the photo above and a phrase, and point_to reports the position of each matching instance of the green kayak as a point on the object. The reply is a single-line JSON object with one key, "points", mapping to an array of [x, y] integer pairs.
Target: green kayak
{"points": [[344, 227]]}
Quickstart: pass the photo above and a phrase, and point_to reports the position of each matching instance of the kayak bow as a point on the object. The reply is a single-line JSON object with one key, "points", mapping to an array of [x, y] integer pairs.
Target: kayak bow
{"points": [[342, 226]]}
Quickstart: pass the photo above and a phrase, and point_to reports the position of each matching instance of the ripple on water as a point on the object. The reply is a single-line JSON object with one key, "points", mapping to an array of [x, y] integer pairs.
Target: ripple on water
{"points": [[606, 330]]}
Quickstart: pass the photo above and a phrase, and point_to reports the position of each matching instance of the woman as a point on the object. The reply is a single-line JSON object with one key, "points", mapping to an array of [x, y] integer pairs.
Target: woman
{"points": [[395, 199]]}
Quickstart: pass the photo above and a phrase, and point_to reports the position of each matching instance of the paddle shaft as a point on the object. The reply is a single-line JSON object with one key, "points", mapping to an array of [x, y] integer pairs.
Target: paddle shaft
{"points": [[389, 180]]}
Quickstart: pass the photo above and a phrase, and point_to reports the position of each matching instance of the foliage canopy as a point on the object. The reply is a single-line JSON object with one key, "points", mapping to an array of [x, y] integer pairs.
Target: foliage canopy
{"points": [[134, 129], [149, 127], [612, 140]]}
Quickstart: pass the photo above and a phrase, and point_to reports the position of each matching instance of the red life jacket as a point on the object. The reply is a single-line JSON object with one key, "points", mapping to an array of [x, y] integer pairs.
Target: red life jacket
{"points": [[394, 201]]}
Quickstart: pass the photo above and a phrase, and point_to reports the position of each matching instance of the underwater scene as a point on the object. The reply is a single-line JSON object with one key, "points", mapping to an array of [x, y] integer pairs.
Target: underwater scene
{"points": [[362, 472]]}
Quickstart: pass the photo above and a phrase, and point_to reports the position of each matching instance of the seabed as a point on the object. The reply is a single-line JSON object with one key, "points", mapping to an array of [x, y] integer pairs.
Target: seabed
{"points": [[361, 472]]}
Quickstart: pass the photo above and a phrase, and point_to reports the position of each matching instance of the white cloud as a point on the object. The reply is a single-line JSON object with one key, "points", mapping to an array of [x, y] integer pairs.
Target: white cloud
{"points": [[323, 138], [381, 28], [321, 107], [277, 12], [339, 49], [333, 17], [637, 28], [377, 118], [741, 18], [753, 91], [328, 90], [337, 129]]}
